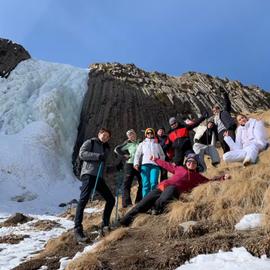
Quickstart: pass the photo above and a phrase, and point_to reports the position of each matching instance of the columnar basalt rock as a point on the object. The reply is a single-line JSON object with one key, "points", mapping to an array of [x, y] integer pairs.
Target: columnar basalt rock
{"points": [[11, 54], [121, 97]]}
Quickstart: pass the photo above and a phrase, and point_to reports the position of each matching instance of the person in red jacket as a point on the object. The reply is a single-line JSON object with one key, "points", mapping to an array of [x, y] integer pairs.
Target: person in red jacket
{"points": [[178, 143], [184, 179]]}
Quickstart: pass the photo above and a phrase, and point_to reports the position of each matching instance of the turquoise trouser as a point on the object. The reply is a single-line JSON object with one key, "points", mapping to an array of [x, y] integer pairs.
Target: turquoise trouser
{"points": [[149, 174]]}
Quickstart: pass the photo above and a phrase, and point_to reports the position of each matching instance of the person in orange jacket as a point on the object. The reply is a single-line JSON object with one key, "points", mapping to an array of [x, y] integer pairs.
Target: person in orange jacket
{"points": [[184, 179]]}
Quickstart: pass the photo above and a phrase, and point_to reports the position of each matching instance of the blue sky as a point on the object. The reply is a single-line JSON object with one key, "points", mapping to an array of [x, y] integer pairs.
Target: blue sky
{"points": [[225, 38]]}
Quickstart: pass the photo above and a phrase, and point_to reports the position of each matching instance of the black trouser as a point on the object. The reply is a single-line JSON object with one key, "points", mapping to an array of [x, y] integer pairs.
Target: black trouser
{"points": [[181, 149], [158, 199], [130, 173], [88, 183], [163, 174], [223, 144]]}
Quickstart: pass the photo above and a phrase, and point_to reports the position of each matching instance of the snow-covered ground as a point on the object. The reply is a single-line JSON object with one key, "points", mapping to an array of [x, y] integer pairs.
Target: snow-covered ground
{"points": [[40, 105], [237, 259], [12, 255]]}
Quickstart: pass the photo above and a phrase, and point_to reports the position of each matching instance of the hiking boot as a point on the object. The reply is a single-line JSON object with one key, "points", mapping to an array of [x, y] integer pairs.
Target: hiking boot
{"points": [[79, 235], [104, 230], [155, 212]]}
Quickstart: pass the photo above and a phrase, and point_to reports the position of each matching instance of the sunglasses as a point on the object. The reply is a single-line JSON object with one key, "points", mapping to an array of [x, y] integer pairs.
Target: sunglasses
{"points": [[149, 132], [173, 124], [192, 161]]}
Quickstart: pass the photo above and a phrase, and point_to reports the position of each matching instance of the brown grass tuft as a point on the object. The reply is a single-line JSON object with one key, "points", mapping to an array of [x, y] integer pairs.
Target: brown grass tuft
{"points": [[87, 261]]}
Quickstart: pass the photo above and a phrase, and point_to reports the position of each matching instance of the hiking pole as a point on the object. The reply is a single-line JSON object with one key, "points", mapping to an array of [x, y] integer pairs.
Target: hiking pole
{"points": [[118, 187], [97, 178]]}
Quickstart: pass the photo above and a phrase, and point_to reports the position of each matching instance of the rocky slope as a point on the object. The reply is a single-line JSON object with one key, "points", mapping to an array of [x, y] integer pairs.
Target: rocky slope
{"points": [[121, 97], [11, 54]]}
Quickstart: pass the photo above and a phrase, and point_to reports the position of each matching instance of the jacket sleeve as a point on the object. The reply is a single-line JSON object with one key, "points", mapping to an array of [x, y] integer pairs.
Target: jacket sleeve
{"points": [[195, 124], [138, 155], [85, 154], [165, 165], [119, 149], [161, 152], [227, 102]]}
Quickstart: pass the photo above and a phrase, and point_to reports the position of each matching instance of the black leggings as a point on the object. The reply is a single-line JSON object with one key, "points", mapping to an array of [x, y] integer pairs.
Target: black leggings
{"points": [[130, 173], [158, 199], [88, 183]]}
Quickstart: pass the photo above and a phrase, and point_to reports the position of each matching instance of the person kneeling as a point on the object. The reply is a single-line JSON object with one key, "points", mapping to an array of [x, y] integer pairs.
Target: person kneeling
{"points": [[184, 179]]}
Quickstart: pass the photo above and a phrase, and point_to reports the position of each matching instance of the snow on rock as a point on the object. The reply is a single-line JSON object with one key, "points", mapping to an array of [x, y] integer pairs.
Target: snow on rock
{"points": [[40, 106], [12, 255], [237, 259], [249, 222]]}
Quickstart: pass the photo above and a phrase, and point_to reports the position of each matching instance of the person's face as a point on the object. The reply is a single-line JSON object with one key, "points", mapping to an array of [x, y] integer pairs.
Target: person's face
{"points": [[160, 132], [132, 136], [191, 164], [149, 134], [210, 125], [242, 120], [215, 111], [174, 125], [104, 136]]}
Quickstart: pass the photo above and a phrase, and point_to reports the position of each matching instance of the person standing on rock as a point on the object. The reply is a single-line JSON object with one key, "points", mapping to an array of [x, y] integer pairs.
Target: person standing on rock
{"points": [[127, 151], [179, 140], [224, 122], [94, 153], [162, 137], [149, 170]]}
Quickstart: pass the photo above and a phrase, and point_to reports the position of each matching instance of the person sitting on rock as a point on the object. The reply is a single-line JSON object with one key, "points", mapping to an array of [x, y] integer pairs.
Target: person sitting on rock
{"points": [[178, 138], [127, 151], [204, 143], [251, 138], [149, 170], [184, 179]]}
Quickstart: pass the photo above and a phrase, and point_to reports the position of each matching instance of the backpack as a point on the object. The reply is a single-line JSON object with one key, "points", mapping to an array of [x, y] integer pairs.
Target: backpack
{"points": [[79, 162]]}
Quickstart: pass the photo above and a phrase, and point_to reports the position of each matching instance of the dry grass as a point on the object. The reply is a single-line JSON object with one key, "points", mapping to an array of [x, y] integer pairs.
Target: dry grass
{"points": [[159, 242], [90, 260]]}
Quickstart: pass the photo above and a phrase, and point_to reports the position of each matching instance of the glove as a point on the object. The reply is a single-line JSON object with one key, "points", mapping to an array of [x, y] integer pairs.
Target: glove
{"points": [[205, 114], [101, 157]]}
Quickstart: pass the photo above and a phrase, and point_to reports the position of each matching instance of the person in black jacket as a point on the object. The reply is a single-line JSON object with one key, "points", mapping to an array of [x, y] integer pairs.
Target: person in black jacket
{"points": [[224, 122], [162, 137], [94, 153]]}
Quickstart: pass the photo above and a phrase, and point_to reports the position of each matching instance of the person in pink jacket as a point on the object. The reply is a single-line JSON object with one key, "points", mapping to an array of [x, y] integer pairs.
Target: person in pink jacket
{"points": [[184, 179]]}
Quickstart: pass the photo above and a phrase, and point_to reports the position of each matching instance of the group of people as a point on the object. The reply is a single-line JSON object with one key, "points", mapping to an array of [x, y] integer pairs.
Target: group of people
{"points": [[150, 160]]}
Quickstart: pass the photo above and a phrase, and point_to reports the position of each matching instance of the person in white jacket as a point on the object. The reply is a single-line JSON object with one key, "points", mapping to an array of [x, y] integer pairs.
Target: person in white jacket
{"points": [[149, 169], [251, 138]]}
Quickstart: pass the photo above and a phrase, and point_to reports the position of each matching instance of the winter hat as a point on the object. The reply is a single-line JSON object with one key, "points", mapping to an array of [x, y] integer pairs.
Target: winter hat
{"points": [[149, 129], [172, 120], [191, 156], [130, 131]]}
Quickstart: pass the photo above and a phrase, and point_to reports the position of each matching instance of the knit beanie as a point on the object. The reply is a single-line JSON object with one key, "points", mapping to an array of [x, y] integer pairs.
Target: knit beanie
{"points": [[149, 129]]}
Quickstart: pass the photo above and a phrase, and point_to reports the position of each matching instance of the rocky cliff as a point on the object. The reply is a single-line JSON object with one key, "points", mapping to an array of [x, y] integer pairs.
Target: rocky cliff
{"points": [[11, 54], [121, 97]]}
